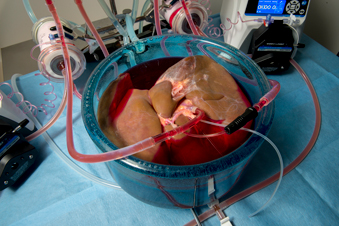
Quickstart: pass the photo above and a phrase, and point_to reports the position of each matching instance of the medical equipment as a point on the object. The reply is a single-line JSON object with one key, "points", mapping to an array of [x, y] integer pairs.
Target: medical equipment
{"points": [[174, 14], [242, 18], [162, 181], [11, 111], [272, 47], [202, 50], [50, 61], [16, 154]]}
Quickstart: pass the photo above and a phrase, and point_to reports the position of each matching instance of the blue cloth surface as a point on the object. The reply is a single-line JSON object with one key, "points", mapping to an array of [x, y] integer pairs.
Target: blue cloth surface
{"points": [[56, 195]]}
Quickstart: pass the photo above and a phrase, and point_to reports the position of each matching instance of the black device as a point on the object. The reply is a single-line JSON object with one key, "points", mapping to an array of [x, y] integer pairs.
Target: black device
{"points": [[272, 47], [16, 154]]}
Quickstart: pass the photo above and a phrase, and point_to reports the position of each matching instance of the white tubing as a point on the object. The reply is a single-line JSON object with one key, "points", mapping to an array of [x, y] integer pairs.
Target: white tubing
{"points": [[276, 150], [115, 21], [60, 153], [134, 10], [144, 8], [281, 168]]}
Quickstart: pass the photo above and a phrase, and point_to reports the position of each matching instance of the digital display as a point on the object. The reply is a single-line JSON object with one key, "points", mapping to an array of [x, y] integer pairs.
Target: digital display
{"points": [[271, 6]]}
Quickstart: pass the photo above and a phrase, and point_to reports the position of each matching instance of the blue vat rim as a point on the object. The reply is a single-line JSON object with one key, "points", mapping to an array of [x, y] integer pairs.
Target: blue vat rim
{"points": [[172, 171]]}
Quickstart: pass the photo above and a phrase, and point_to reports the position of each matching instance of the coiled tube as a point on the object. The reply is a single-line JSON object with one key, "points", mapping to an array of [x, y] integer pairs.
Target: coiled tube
{"points": [[60, 153]]}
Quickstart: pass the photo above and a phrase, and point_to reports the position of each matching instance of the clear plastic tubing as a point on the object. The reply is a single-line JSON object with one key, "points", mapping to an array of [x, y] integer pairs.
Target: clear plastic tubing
{"points": [[258, 134], [157, 17], [60, 153], [134, 10], [29, 11], [289, 167], [91, 27], [114, 20], [144, 8], [189, 18], [140, 47], [77, 26], [52, 120], [130, 29], [268, 97]]}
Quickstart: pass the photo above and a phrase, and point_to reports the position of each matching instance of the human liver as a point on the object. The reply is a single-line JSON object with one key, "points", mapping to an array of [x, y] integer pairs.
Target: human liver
{"points": [[127, 115]]}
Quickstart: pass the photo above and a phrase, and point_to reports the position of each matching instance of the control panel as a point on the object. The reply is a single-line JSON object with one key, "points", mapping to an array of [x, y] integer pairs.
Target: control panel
{"points": [[277, 7], [242, 18]]}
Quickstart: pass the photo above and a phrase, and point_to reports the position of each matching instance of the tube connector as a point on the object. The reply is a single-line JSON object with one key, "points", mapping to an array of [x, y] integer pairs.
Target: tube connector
{"points": [[248, 115]]}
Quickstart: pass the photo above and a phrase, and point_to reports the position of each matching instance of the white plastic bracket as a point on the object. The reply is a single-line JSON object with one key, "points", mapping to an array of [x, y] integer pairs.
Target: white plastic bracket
{"points": [[211, 191], [225, 222]]}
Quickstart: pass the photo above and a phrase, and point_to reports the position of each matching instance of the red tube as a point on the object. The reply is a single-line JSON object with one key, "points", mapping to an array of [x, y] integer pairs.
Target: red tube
{"points": [[268, 97], [112, 155], [189, 18], [135, 148], [288, 168], [63, 102], [91, 27], [201, 33], [67, 72], [157, 17], [76, 92]]}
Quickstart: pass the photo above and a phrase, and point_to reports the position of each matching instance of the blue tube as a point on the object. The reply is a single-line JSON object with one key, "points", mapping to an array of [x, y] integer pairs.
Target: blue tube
{"points": [[29, 11], [144, 8], [140, 47], [134, 10], [114, 20], [130, 29]]}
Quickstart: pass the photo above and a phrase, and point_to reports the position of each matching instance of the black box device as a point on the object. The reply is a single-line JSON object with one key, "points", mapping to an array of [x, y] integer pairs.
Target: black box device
{"points": [[16, 154]]}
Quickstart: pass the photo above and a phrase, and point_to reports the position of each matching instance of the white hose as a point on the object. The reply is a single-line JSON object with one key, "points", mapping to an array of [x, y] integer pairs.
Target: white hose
{"points": [[281, 167], [60, 153], [276, 150]]}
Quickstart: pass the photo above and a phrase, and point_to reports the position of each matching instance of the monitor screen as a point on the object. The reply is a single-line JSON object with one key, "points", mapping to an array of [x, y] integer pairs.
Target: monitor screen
{"points": [[271, 6]]}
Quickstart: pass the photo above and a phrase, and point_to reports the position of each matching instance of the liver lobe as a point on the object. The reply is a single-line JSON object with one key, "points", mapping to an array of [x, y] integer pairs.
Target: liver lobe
{"points": [[194, 81]]}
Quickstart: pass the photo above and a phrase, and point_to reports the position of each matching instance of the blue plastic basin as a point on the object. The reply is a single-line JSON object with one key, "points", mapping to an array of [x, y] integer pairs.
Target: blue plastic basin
{"points": [[165, 185]]}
